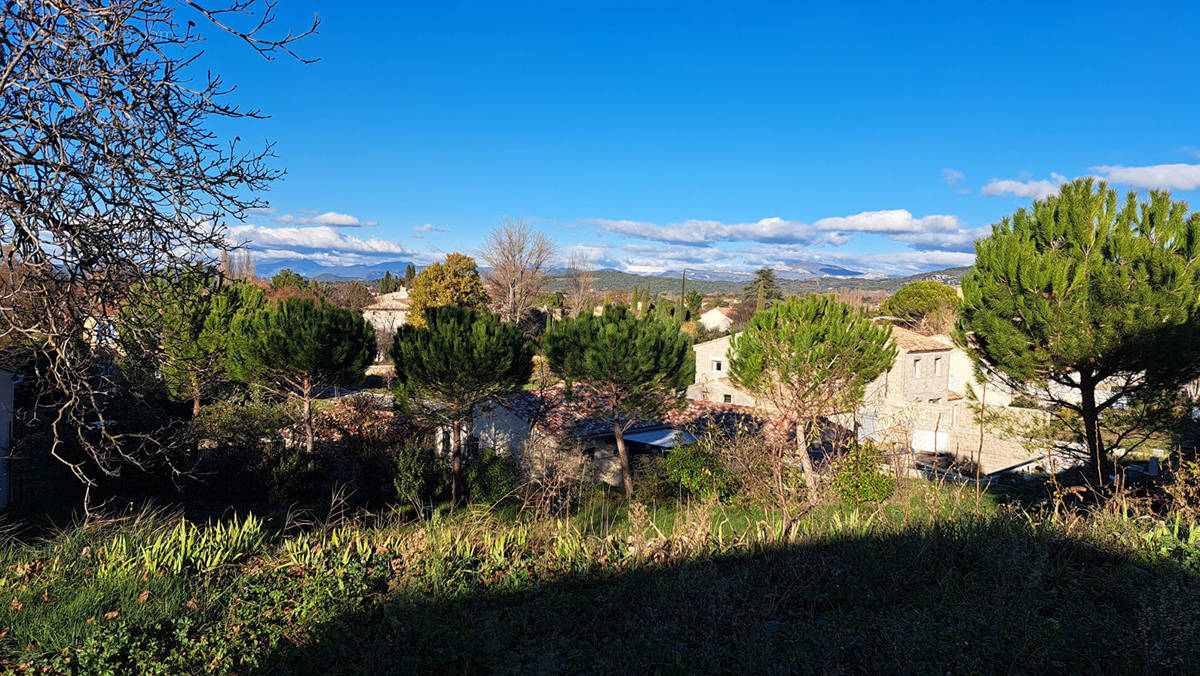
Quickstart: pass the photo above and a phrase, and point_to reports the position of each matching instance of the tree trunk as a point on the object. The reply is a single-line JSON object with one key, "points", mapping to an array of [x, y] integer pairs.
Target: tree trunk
{"points": [[806, 463], [195, 396], [623, 454], [306, 394], [458, 492], [1091, 428]]}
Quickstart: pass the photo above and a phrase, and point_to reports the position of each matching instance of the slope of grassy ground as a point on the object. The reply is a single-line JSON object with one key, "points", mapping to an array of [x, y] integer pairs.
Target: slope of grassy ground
{"points": [[936, 579]]}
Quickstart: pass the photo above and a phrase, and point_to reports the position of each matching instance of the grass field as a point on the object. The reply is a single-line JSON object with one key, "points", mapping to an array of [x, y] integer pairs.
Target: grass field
{"points": [[937, 579]]}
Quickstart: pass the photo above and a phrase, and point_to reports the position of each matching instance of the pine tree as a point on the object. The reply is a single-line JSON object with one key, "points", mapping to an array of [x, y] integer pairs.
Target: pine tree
{"points": [[622, 368], [174, 331], [810, 357], [458, 359], [295, 345], [1088, 303], [764, 286]]}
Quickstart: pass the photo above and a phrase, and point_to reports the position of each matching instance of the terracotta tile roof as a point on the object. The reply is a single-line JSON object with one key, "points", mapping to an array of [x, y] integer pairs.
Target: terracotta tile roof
{"points": [[561, 417], [911, 341]]}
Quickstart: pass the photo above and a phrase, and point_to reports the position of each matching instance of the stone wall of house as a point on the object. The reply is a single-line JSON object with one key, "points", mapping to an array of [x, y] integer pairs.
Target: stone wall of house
{"points": [[500, 429]]}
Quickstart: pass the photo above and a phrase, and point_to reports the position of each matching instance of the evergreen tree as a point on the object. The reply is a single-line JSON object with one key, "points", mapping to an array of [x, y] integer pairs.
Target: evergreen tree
{"points": [[810, 357], [927, 303], [764, 286], [295, 345], [1087, 303], [285, 278], [458, 359], [410, 273], [694, 302], [174, 331], [454, 281], [388, 284], [622, 368]]}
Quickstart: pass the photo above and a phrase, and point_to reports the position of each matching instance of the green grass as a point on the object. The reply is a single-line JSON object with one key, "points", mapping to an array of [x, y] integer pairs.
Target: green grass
{"points": [[936, 579]]}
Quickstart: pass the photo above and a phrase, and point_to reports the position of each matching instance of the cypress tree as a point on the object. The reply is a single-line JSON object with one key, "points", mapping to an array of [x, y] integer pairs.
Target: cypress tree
{"points": [[622, 368], [458, 359], [1088, 303], [410, 273], [295, 345]]}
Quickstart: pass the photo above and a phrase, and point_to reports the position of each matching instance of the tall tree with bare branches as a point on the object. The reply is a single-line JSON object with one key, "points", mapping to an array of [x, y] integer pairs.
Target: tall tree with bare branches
{"points": [[518, 258], [111, 173], [581, 294]]}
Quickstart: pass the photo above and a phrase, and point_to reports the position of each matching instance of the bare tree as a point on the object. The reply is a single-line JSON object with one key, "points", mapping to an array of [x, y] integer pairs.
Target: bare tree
{"points": [[518, 258], [111, 173], [581, 295]]}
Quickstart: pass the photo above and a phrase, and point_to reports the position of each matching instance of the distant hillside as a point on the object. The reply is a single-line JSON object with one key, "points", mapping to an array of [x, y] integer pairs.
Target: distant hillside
{"points": [[605, 280]]}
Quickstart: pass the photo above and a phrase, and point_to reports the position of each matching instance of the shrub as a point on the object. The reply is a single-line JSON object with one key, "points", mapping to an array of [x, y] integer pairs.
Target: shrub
{"points": [[420, 475], [491, 477], [858, 476], [699, 472]]}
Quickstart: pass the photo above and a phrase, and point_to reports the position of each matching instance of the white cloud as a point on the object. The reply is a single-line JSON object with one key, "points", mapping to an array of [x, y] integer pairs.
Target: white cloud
{"points": [[428, 227], [1025, 188], [331, 218], [1167, 176], [798, 259], [834, 231], [952, 176], [318, 237]]}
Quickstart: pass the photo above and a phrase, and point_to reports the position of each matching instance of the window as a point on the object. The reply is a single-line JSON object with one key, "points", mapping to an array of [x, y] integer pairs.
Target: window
{"points": [[935, 400], [717, 364], [937, 366], [728, 398], [916, 368]]}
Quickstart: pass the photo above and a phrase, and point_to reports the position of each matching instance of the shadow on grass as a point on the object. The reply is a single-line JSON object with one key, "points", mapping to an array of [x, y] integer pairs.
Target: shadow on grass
{"points": [[965, 597]]}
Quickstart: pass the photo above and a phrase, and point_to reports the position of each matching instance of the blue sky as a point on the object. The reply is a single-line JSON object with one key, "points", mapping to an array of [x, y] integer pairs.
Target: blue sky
{"points": [[882, 137]]}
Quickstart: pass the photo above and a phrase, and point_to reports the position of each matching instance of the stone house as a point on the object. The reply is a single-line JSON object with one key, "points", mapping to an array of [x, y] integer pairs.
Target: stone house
{"points": [[388, 312], [717, 319], [918, 405]]}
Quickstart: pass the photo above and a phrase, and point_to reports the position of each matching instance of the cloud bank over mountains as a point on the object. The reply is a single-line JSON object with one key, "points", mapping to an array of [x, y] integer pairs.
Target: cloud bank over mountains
{"points": [[882, 242]]}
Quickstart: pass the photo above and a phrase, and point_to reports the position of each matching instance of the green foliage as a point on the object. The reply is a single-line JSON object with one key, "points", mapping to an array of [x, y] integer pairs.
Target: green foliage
{"points": [[621, 367], [186, 548], [811, 349], [858, 475], [764, 289], [1082, 290], [636, 368], [553, 299], [457, 359], [920, 299], [492, 477], [285, 278], [454, 281], [388, 284], [699, 472], [297, 340], [410, 273], [694, 301], [174, 331], [419, 476]]}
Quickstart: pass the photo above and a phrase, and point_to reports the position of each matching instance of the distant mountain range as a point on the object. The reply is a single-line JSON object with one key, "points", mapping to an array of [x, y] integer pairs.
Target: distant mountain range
{"points": [[799, 279], [604, 280], [331, 273]]}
